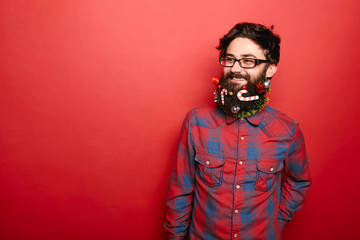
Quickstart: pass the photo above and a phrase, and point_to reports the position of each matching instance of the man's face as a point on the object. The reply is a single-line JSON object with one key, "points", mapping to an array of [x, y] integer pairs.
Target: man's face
{"points": [[246, 48]]}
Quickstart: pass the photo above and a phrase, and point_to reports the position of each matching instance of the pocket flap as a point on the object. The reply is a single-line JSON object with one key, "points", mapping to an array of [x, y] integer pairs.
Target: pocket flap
{"points": [[209, 160], [270, 166]]}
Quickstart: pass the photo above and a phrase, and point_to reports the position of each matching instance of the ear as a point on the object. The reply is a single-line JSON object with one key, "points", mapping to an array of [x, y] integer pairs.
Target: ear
{"points": [[271, 70]]}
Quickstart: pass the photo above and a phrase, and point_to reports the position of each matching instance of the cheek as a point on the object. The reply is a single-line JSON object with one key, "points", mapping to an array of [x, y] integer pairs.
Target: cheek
{"points": [[251, 72], [226, 70], [254, 74]]}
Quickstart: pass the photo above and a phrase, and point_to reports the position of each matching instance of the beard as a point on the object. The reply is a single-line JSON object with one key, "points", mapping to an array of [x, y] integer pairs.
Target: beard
{"points": [[232, 105]]}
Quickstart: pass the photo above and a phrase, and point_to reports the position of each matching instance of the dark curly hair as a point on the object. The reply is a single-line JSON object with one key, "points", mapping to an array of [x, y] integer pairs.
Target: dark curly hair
{"points": [[258, 33]]}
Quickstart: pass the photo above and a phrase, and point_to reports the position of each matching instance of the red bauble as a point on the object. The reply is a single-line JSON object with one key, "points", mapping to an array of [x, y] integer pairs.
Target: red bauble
{"points": [[215, 80]]}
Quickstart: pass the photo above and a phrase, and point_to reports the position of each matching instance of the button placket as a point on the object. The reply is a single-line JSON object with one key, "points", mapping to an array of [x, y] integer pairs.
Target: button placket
{"points": [[239, 178]]}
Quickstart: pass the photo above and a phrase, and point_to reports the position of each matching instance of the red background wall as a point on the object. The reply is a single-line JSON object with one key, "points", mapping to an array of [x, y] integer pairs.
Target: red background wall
{"points": [[93, 94]]}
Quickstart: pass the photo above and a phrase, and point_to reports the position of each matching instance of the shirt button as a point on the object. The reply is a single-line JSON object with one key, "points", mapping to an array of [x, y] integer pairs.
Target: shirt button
{"points": [[235, 235], [242, 137], [271, 169], [237, 186], [207, 162], [236, 211], [241, 162]]}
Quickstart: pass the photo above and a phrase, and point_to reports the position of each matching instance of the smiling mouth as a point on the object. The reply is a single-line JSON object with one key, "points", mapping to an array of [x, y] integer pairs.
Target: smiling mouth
{"points": [[238, 79]]}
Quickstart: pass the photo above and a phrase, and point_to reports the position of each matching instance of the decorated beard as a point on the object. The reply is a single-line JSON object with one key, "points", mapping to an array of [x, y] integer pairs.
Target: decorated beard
{"points": [[241, 101]]}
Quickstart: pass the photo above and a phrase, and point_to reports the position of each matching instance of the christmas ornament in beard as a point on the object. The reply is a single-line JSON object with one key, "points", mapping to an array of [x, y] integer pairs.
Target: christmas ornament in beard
{"points": [[231, 102]]}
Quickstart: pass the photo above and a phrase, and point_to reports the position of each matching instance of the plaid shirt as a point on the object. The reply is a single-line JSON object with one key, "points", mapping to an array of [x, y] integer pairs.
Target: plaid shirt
{"points": [[236, 178]]}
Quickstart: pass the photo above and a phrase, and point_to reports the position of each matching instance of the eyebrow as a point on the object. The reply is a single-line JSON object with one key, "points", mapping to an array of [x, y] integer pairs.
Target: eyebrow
{"points": [[242, 55]]}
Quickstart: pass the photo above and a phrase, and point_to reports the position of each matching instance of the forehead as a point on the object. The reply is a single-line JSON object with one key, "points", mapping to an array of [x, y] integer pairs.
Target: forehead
{"points": [[244, 47]]}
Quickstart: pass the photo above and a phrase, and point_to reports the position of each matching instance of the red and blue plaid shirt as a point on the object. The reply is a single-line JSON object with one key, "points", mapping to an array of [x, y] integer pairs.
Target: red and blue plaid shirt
{"points": [[236, 178]]}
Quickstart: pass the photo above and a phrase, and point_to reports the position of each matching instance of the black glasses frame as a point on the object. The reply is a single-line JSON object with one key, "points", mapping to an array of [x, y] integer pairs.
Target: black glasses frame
{"points": [[257, 61]]}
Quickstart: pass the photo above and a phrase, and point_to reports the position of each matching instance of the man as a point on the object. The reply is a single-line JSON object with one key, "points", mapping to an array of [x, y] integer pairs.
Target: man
{"points": [[241, 168]]}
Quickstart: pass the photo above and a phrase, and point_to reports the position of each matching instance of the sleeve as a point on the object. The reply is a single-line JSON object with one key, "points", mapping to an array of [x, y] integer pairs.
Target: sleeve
{"points": [[297, 179], [180, 192]]}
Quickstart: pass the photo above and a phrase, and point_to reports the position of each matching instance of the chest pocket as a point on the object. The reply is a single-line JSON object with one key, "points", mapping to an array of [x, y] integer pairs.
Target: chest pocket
{"points": [[210, 168], [268, 172]]}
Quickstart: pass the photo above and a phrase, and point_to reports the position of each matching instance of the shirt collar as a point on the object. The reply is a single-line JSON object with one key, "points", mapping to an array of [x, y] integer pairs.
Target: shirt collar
{"points": [[253, 119]]}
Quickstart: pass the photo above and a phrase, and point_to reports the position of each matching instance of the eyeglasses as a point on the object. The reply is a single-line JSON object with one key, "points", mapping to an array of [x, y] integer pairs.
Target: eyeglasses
{"points": [[244, 62]]}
